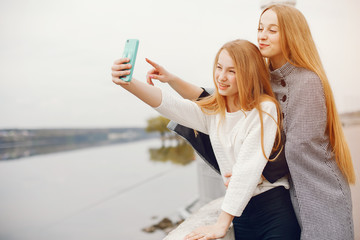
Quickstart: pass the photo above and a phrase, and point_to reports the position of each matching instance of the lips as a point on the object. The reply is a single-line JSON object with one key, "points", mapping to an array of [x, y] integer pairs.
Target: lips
{"points": [[223, 86], [261, 45]]}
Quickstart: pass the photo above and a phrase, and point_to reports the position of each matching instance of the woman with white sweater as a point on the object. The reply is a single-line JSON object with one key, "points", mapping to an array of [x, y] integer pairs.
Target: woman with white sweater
{"points": [[243, 121]]}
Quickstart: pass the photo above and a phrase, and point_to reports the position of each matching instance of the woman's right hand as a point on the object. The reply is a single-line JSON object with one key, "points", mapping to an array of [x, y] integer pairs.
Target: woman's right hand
{"points": [[120, 68], [185, 89], [159, 73]]}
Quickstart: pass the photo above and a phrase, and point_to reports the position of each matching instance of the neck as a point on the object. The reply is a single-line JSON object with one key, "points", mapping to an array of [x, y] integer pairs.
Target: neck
{"points": [[231, 105], [277, 62]]}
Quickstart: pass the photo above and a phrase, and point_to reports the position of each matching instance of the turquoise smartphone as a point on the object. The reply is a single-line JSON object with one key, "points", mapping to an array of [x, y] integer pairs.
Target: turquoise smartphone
{"points": [[130, 51]]}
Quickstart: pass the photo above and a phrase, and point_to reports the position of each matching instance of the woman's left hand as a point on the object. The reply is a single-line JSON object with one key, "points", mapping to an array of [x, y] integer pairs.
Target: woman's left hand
{"points": [[207, 232], [228, 176]]}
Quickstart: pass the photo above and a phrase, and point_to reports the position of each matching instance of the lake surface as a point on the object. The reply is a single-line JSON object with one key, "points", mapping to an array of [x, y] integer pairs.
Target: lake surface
{"points": [[107, 192]]}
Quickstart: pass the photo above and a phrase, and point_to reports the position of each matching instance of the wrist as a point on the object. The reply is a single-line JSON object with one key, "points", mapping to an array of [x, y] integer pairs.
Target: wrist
{"points": [[173, 79], [224, 220], [223, 226]]}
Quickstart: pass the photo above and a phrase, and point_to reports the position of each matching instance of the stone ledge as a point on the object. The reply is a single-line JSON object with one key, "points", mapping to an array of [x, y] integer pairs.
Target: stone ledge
{"points": [[206, 215]]}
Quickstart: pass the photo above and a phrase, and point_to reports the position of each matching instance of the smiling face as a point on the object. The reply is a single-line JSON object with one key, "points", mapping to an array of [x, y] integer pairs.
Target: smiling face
{"points": [[269, 39], [225, 76]]}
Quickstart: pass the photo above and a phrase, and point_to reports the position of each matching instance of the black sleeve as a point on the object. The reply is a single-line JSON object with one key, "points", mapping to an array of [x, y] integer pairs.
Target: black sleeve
{"points": [[204, 94]]}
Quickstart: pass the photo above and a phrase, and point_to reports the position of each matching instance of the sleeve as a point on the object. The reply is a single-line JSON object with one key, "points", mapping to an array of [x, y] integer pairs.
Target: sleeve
{"points": [[306, 116], [207, 92], [250, 161], [306, 124], [183, 111], [307, 149]]}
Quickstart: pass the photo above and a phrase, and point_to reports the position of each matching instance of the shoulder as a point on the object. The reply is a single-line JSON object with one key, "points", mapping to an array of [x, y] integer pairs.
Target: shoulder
{"points": [[303, 72], [268, 106], [306, 93], [303, 78], [305, 85]]}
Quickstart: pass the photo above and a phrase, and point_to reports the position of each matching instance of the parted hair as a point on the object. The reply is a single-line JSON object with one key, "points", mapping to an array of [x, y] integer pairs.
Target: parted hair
{"points": [[299, 49], [253, 81]]}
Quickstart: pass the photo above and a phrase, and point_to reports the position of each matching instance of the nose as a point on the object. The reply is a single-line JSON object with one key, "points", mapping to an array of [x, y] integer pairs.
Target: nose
{"points": [[262, 35], [222, 77]]}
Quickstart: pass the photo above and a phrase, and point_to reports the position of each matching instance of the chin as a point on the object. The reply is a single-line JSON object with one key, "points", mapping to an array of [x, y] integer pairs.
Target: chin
{"points": [[222, 93], [265, 54]]}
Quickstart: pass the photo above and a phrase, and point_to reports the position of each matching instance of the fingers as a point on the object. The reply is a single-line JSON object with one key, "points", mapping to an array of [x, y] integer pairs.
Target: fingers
{"points": [[119, 67], [121, 61], [119, 74], [227, 175], [154, 74], [116, 77], [148, 78], [118, 81], [195, 236], [227, 183], [155, 65]]}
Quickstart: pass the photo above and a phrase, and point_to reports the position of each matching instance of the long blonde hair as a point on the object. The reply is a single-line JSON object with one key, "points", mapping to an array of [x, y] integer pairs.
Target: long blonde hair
{"points": [[253, 81], [299, 49]]}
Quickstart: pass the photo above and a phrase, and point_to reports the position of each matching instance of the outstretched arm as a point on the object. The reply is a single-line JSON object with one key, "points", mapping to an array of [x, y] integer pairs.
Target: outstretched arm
{"points": [[186, 89], [145, 92], [183, 111]]}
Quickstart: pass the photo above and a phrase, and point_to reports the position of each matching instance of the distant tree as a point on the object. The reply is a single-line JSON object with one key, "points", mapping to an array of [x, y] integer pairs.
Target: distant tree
{"points": [[158, 124]]}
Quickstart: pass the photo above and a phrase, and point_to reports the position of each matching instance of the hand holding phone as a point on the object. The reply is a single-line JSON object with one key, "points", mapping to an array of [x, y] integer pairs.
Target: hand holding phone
{"points": [[130, 51]]}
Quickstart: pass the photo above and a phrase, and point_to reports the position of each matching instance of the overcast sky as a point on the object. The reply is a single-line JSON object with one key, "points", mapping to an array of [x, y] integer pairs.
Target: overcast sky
{"points": [[55, 56]]}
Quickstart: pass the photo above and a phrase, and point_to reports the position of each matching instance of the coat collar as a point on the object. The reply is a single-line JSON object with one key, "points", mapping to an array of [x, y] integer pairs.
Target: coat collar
{"points": [[282, 72]]}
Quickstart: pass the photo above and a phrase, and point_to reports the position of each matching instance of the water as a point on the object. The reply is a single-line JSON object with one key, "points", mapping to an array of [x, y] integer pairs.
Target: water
{"points": [[107, 192]]}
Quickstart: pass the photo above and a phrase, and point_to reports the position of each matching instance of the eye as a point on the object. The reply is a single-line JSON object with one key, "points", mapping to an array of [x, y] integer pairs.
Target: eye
{"points": [[273, 30], [232, 71], [260, 29], [218, 67]]}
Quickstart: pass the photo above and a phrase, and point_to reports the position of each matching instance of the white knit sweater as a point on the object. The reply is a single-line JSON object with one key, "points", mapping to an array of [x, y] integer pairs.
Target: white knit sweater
{"points": [[237, 145]]}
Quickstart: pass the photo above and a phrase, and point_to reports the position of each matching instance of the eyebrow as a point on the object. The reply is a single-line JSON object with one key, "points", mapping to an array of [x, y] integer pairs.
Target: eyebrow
{"points": [[227, 68], [270, 25]]}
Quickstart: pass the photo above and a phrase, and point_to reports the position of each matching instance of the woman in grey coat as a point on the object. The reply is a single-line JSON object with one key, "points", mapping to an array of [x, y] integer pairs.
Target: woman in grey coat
{"points": [[315, 149]]}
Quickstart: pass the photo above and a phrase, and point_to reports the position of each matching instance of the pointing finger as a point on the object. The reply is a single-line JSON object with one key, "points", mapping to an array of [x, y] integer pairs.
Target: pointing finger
{"points": [[155, 65]]}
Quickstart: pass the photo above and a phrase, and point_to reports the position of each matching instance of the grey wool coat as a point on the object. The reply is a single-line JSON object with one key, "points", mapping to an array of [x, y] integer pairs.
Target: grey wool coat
{"points": [[319, 192]]}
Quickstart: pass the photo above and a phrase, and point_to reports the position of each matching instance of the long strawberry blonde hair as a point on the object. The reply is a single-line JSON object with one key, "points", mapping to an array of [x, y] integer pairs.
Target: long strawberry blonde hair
{"points": [[253, 81], [299, 49]]}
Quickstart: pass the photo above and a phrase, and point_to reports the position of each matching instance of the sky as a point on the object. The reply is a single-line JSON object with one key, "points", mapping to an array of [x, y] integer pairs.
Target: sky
{"points": [[56, 56]]}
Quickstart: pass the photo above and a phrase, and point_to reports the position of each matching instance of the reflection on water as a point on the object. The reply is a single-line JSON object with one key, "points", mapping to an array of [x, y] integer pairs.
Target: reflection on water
{"points": [[17, 143], [181, 154]]}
